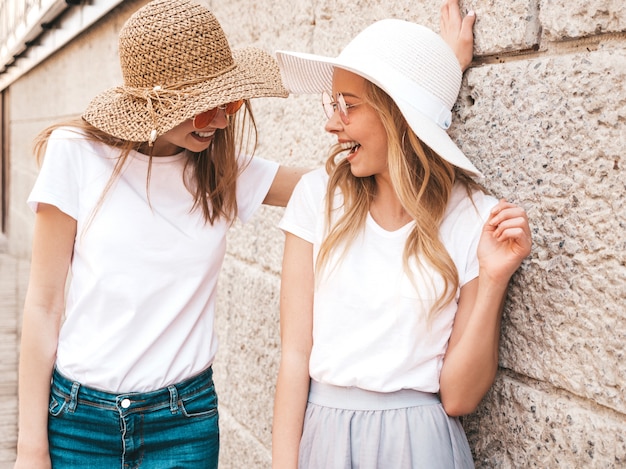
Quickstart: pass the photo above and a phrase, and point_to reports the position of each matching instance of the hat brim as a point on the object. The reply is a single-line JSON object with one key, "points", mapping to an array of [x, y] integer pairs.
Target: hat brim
{"points": [[304, 73], [129, 117]]}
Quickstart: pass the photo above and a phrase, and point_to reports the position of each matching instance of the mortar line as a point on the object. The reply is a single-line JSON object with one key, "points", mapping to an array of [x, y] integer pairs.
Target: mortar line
{"points": [[565, 46], [547, 387]]}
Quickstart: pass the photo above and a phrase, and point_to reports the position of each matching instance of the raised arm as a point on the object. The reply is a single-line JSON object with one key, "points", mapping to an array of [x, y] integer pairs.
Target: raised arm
{"points": [[296, 329], [471, 361], [458, 31], [53, 245]]}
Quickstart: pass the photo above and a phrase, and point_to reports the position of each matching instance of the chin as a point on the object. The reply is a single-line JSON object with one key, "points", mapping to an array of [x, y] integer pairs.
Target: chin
{"points": [[357, 173]]}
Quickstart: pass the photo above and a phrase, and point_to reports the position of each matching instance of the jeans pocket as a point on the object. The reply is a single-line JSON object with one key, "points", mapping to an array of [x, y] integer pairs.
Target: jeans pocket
{"points": [[57, 405], [202, 404]]}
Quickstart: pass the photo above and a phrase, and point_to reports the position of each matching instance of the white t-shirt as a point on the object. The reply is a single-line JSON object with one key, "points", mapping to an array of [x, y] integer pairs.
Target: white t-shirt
{"points": [[369, 321], [140, 305]]}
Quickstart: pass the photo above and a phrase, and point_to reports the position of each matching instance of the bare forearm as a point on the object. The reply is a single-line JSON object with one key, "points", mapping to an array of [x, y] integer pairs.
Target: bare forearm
{"points": [[53, 244], [37, 355], [284, 182], [296, 332], [471, 360], [292, 390], [469, 367]]}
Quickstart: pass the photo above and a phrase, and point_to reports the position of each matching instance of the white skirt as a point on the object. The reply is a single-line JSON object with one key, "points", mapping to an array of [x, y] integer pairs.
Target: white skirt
{"points": [[349, 428]]}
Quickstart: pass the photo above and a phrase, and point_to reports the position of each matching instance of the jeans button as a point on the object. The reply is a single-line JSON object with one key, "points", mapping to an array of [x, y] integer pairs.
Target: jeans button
{"points": [[125, 403]]}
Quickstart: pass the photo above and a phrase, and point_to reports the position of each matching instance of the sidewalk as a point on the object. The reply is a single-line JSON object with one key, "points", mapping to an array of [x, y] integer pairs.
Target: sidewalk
{"points": [[11, 284]]}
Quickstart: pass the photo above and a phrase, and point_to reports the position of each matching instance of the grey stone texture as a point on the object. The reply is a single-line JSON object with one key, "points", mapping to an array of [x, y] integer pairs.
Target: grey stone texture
{"points": [[523, 423], [566, 170], [562, 19], [542, 113]]}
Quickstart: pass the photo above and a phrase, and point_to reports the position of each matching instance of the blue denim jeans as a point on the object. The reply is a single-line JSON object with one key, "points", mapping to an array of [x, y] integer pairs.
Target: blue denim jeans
{"points": [[174, 427]]}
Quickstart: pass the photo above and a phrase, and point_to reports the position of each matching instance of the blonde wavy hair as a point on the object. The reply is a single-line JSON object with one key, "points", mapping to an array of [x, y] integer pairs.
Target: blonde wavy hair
{"points": [[423, 182], [214, 171]]}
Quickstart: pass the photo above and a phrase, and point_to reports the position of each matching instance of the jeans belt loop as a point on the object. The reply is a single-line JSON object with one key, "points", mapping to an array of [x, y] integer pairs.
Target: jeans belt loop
{"points": [[74, 396], [173, 398]]}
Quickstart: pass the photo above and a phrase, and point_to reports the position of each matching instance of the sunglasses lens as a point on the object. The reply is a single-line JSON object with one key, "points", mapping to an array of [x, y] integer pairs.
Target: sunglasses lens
{"points": [[343, 108], [204, 118], [327, 102], [233, 107], [200, 121]]}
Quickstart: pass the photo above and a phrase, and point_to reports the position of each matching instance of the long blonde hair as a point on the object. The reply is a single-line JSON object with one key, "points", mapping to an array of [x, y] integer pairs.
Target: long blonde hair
{"points": [[423, 183], [214, 171]]}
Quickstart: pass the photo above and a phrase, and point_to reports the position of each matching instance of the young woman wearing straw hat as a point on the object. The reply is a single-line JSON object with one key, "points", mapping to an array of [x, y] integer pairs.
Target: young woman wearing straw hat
{"points": [[396, 265], [136, 198]]}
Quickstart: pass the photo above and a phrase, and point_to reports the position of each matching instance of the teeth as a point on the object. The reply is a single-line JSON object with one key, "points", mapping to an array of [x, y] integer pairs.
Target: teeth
{"points": [[352, 146], [205, 134]]}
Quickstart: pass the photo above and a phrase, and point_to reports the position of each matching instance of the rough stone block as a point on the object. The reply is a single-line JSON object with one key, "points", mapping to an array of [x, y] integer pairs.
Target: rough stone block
{"points": [[247, 361], [562, 19], [546, 136], [259, 241], [528, 425], [505, 26], [238, 447]]}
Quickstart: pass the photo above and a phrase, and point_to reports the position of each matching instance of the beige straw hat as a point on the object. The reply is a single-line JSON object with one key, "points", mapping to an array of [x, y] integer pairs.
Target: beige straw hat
{"points": [[411, 63], [176, 63]]}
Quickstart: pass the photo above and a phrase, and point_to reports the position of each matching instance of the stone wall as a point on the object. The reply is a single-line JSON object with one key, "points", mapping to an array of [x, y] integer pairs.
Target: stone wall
{"points": [[542, 113]]}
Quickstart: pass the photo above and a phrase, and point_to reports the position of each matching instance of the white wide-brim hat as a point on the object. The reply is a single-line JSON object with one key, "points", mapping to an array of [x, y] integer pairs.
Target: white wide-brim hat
{"points": [[410, 62]]}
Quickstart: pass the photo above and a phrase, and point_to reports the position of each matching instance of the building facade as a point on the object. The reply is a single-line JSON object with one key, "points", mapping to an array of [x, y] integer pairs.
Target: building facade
{"points": [[542, 113]]}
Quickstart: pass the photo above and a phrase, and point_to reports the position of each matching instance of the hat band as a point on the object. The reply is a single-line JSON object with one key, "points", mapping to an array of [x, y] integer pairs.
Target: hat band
{"points": [[172, 96], [428, 104], [166, 98]]}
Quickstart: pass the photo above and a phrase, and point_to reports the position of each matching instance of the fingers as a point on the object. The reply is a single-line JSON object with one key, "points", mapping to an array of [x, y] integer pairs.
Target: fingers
{"points": [[503, 210], [450, 18], [467, 27], [511, 230], [457, 31], [465, 49], [509, 222]]}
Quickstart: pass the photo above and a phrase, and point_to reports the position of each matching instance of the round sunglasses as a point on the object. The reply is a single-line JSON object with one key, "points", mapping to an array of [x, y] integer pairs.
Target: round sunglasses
{"points": [[200, 121], [339, 104]]}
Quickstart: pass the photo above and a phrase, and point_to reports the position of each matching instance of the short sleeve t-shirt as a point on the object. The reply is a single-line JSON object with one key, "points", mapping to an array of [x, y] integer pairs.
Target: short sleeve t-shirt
{"points": [[140, 304], [369, 318]]}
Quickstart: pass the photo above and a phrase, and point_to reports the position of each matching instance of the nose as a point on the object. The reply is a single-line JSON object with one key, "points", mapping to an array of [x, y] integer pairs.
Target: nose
{"points": [[334, 123], [220, 121]]}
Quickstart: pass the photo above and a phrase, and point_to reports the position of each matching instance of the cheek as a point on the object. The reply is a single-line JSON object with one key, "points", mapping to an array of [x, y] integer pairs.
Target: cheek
{"points": [[374, 127], [181, 132], [378, 137]]}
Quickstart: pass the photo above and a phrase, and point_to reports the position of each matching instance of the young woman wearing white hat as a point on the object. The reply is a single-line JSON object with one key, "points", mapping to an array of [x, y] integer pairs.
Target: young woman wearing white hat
{"points": [[396, 265]]}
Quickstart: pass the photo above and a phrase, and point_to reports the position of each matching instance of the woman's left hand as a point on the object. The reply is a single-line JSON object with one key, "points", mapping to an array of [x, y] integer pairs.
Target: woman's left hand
{"points": [[505, 241], [457, 31]]}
